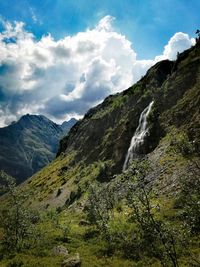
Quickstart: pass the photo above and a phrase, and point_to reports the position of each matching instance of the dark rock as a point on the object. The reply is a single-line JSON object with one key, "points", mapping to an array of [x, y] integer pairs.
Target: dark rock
{"points": [[59, 192]]}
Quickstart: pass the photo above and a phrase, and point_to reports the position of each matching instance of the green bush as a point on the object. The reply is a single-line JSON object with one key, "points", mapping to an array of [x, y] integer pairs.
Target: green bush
{"points": [[183, 145], [15, 263]]}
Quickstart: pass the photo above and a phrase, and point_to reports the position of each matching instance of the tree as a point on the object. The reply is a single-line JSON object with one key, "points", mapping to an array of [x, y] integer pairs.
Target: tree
{"points": [[100, 206], [142, 233], [17, 222], [155, 236]]}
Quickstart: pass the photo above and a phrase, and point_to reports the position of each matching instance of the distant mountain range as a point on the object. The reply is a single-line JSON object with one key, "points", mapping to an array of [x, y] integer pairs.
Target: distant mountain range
{"points": [[29, 144]]}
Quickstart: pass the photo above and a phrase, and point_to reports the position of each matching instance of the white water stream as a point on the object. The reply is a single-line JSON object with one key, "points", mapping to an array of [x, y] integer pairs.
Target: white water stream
{"points": [[138, 137]]}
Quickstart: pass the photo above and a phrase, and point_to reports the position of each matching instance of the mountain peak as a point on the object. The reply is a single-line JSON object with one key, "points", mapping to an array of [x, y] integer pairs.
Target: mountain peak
{"points": [[68, 124], [33, 117], [29, 144]]}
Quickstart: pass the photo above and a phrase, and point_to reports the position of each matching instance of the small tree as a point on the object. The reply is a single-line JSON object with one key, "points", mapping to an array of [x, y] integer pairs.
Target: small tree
{"points": [[100, 207], [198, 33], [17, 222]]}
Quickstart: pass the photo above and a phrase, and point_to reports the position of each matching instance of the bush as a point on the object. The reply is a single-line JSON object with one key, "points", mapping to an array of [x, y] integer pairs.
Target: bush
{"points": [[183, 145], [15, 263], [99, 209]]}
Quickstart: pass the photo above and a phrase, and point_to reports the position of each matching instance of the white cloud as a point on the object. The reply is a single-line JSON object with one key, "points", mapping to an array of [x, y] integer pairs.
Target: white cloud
{"points": [[105, 24], [177, 43], [68, 76]]}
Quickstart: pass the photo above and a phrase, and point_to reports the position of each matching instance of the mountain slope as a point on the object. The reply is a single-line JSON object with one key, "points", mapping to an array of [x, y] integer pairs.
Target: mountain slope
{"points": [[96, 147], [29, 144]]}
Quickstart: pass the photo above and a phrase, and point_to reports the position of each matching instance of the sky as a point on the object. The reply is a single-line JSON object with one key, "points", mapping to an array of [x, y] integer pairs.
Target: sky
{"points": [[60, 58]]}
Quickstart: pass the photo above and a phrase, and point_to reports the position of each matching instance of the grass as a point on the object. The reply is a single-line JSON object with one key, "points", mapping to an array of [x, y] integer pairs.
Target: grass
{"points": [[91, 249], [85, 240]]}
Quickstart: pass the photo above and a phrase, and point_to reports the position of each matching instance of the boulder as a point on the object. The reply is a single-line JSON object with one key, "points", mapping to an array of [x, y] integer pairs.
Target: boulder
{"points": [[73, 261], [60, 251]]}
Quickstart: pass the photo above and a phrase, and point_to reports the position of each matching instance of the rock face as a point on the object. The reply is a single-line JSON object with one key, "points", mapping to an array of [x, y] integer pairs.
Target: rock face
{"points": [[29, 144], [106, 130]]}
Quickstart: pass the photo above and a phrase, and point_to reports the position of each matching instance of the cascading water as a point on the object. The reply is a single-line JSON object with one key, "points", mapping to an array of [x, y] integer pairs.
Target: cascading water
{"points": [[138, 137]]}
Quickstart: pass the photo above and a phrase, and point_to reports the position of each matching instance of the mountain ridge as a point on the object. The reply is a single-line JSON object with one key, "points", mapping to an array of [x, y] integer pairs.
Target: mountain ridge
{"points": [[29, 144]]}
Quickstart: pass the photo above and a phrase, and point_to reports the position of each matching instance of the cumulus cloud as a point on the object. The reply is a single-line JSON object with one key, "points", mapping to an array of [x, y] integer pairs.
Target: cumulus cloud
{"points": [[66, 77], [177, 43]]}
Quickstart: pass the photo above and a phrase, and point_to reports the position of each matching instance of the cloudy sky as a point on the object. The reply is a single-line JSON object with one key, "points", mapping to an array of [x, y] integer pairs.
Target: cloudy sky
{"points": [[59, 58]]}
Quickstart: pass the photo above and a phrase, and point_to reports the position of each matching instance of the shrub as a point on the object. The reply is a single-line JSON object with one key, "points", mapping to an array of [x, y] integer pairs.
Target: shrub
{"points": [[15, 263], [183, 145]]}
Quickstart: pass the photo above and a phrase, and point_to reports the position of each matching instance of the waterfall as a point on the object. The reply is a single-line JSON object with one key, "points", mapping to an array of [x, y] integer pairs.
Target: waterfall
{"points": [[138, 137]]}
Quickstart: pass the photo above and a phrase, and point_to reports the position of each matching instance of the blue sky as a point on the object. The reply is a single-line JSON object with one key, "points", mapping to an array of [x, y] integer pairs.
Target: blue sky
{"points": [[59, 58], [148, 24]]}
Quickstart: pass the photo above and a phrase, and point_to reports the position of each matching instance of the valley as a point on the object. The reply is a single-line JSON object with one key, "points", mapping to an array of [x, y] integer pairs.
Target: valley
{"points": [[124, 188]]}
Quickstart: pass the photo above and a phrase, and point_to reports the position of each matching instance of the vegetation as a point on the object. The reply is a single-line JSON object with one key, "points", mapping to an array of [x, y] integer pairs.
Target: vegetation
{"points": [[141, 234], [17, 222]]}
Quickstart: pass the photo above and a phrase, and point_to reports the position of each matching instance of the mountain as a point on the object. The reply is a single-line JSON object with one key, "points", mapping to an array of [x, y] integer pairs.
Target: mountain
{"points": [[96, 146], [67, 125], [30, 144]]}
